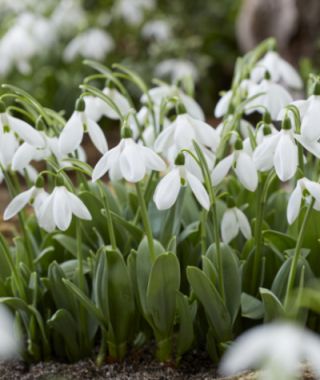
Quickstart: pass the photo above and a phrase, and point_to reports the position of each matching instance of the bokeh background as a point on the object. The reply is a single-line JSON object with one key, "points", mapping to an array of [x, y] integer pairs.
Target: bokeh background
{"points": [[43, 43]]}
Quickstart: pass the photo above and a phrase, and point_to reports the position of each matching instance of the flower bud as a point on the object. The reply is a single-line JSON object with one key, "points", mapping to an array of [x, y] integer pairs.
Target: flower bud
{"points": [[39, 181], [126, 132], [80, 105], [286, 123], [59, 180], [316, 89], [267, 75], [266, 130], [267, 118], [238, 145], [180, 159]]}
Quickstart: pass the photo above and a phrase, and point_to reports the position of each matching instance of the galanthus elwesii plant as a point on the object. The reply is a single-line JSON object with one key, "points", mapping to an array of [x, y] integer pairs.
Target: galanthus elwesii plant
{"points": [[195, 234]]}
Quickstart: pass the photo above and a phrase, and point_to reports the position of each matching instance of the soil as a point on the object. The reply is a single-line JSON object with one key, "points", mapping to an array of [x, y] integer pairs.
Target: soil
{"points": [[195, 366]]}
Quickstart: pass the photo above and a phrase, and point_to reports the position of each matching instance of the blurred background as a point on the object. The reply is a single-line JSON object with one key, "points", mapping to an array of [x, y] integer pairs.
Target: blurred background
{"points": [[43, 43]]}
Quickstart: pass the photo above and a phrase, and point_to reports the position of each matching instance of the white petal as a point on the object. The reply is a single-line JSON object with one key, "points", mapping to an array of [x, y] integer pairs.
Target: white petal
{"points": [[264, 153], [229, 226], [24, 154], [221, 169], [18, 203], [313, 188], [286, 158], [310, 127], [97, 136], [8, 146], [206, 134], [132, 164], [294, 204], [26, 132], [311, 146], [71, 135], [192, 107], [165, 139], [243, 223], [45, 214], [62, 214], [106, 162], [78, 208], [184, 133], [199, 191], [152, 160], [246, 171], [167, 190], [223, 104], [289, 75]]}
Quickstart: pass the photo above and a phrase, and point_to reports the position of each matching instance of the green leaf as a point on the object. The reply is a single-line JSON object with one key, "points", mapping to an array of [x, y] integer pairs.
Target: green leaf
{"points": [[273, 308], [164, 282], [70, 244], [278, 241], [251, 307], [216, 312]]}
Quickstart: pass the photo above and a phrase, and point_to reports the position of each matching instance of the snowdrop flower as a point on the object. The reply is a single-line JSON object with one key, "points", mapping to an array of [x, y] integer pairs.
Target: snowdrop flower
{"points": [[277, 349], [159, 30], [183, 131], [310, 115], [243, 167], [177, 69], [305, 189], [268, 96], [94, 43], [24, 130], [279, 70], [35, 196], [133, 10], [165, 92], [168, 188], [128, 160], [10, 339], [56, 210], [72, 134], [233, 221]]}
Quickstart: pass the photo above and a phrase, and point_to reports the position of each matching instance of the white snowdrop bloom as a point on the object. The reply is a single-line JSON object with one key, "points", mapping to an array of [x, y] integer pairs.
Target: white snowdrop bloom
{"points": [[177, 69], [278, 349], [310, 129], [10, 338], [305, 189], [72, 134], [268, 96], [168, 188], [279, 70], [243, 166], [119, 100], [233, 221], [8, 147], [21, 200], [56, 210], [24, 130], [93, 43], [67, 17], [128, 160], [165, 92], [159, 30], [183, 131], [132, 11], [224, 102]]}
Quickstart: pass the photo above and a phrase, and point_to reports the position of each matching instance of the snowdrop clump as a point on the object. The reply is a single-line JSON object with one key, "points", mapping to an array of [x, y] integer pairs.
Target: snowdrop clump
{"points": [[196, 229]]}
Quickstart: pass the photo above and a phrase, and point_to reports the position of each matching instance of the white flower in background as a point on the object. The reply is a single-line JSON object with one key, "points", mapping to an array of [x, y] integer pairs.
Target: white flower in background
{"points": [[72, 134], [35, 195], [56, 210], [93, 43], [132, 11], [67, 17], [8, 147], [243, 167], [279, 70], [10, 339], [233, 222], [278, 349], [183, 131], [168, 188], [159, 30], [310, 116], [223, 104], [268, 96], [128, 160], [177, 69], [96, 107], [165, 92], [25, 131], [305, 189]]}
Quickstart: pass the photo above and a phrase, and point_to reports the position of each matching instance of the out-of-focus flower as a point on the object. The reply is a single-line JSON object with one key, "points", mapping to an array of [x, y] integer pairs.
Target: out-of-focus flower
{"points": [[279, 70], [168, 188], [177, 69], [159, 30], [128, 160], [10, 339], [132, 11], [277, 349], [93, 43]]}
